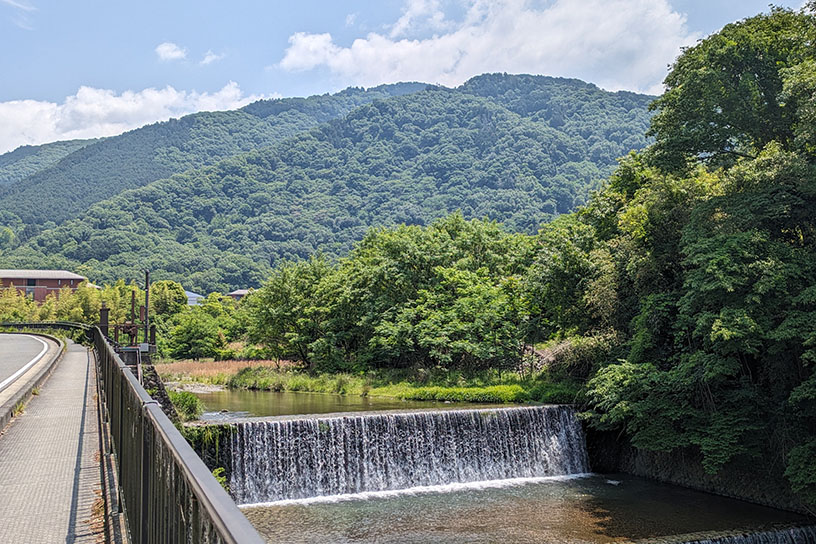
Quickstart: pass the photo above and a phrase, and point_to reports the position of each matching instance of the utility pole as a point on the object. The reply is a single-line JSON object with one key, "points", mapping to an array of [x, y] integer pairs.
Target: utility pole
{"points": [[147, 307]]}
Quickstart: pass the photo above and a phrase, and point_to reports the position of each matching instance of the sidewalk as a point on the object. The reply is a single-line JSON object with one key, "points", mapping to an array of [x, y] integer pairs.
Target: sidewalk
{"points": [[49, 461]]}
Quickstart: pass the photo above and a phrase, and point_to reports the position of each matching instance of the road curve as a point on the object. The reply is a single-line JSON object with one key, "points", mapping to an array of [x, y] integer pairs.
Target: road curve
{"points": [[18, 353]]}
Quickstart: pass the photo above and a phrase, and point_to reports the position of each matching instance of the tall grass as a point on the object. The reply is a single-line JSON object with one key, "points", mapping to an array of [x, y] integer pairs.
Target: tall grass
{"points": [[456, 388], [188, 406], [211, 372], [410, 384]]}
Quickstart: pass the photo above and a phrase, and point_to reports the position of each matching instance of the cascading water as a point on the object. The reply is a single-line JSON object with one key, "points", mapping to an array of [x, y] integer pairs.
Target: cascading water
{"points": [[301, 458]]}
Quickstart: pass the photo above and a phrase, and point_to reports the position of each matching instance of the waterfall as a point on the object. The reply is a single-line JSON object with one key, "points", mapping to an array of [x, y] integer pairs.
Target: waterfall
{"points": [[318, 456], [792, 535]]}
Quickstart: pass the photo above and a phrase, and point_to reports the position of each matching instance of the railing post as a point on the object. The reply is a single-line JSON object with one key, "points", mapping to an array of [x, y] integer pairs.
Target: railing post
{"points": [[145, 467], [104, 312]]}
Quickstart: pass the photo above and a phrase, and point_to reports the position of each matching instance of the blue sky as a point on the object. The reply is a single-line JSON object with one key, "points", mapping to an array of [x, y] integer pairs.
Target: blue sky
{"points": [[90, 68]]}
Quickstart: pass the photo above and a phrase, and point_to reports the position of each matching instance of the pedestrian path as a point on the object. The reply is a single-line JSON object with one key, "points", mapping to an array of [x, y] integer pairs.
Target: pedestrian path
{"points": [[50, 479]]}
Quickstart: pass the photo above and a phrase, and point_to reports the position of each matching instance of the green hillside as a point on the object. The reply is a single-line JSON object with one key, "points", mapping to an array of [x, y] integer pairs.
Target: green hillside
{"points": [[408, 159], [106, 168], [29, 159]]}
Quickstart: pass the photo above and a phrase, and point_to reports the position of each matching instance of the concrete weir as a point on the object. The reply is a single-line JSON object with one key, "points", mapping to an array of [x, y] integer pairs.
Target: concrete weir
{"points": [[315, 473], [308, 457]]}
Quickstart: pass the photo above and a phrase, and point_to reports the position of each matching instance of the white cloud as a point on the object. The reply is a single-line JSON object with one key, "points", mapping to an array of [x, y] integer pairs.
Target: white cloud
{"points": [[23, 9], [617, 44], [92, 113], [417, 14], [210, 57], [169, 51], [351, 18], [25, 6]]}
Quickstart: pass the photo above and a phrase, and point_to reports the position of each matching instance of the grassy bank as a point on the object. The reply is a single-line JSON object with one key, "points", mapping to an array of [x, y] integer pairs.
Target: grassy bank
{"points": [[208, 372], [488, 386]]}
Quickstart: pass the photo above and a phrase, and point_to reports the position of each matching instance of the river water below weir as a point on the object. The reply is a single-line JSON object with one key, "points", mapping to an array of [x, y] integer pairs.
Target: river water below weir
{"points": [[476, 475], [592, 509]]}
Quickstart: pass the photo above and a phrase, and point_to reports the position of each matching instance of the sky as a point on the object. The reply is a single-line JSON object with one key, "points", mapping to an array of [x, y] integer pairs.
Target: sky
{"points": [[90, 68]]}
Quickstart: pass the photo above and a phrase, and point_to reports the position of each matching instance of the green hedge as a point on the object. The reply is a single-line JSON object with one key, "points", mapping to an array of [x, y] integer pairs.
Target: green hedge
{"points": [[494, 393]]}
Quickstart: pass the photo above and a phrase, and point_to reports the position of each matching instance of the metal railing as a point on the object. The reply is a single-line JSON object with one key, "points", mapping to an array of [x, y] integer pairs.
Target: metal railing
{"points": [[166, 491]]}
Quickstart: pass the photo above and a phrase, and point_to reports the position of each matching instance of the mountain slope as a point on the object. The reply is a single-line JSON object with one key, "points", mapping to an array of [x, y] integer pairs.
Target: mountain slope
{"points": [[133, 159], [407, 159], [29, 159]]}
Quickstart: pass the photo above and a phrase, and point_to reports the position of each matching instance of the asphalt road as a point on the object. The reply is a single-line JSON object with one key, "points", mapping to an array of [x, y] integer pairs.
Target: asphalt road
{"points": [[17, 352]]}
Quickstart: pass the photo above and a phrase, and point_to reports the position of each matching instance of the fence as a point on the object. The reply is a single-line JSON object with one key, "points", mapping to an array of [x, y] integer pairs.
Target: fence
{"points": [[166, 491]]}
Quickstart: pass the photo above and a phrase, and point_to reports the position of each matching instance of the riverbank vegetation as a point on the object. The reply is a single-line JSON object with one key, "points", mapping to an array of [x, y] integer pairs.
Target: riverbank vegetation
{"points": [[406, 384], [188, 406]]}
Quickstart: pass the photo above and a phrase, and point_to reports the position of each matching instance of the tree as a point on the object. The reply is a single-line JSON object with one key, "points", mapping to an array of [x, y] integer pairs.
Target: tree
{"points": [[286, 313], [167, 298], [195, 335], [724, 96], [16, 306], [81, 304]]}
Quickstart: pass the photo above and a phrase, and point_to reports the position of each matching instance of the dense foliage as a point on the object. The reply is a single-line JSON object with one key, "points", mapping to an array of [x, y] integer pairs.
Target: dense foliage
{"points": [[104, 169], [409, 159], [29, 159], [699, 257], [442, 295]]}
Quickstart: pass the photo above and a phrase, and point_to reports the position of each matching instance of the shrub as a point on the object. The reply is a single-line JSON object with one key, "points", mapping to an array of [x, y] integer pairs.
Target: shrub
{"points": [[188, 406], [494, 393], [577, 356], [555, 393]]}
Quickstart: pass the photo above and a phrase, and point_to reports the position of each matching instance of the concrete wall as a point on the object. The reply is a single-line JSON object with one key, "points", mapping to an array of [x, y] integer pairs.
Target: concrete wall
{"points": [[155, 386], [760, 481]]}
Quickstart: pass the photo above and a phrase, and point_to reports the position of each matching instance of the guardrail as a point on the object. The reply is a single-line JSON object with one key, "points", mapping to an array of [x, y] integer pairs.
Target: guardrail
{"points": [[167, 493]]}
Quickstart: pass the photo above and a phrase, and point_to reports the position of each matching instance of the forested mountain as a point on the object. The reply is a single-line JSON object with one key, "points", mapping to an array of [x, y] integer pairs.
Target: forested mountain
{"points": [[29, 159], [526, 150], [106, 168]]}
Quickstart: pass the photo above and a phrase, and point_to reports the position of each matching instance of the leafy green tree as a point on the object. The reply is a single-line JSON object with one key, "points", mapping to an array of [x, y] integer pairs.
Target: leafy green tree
{"points": [[465, 320], [16, 306], [195, 335], [118, 297], [285, 313], [557, 281], [167, 298], [80, 305], [724, 96], [722, 358]]}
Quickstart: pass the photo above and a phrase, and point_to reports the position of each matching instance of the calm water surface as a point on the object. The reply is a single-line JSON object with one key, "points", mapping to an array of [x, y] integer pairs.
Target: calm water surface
{"points": [[590, 510], [269, 403]]}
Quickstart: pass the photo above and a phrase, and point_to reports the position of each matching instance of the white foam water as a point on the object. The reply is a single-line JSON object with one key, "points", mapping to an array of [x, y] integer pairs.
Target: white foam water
{"points": [[296, 459], [421, 490]]}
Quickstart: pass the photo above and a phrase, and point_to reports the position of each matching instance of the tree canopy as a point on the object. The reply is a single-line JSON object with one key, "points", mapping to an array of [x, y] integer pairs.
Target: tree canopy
{"points": [[736, 91]]}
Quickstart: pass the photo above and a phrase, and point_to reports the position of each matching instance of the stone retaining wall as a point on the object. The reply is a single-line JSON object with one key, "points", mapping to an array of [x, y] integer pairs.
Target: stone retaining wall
{"points": [[756, 480]]}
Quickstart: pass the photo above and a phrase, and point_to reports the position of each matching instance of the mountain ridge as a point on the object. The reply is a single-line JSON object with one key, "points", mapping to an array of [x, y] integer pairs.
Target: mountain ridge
{"points": [[406, 159], [158, 150]]}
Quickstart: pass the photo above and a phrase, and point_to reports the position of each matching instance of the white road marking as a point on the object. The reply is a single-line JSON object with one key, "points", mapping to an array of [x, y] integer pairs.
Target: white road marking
{"points": [[8, 381]]}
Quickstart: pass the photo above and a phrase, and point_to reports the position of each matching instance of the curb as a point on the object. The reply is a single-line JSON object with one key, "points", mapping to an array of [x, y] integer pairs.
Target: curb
{"points": [[24, 394]]}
